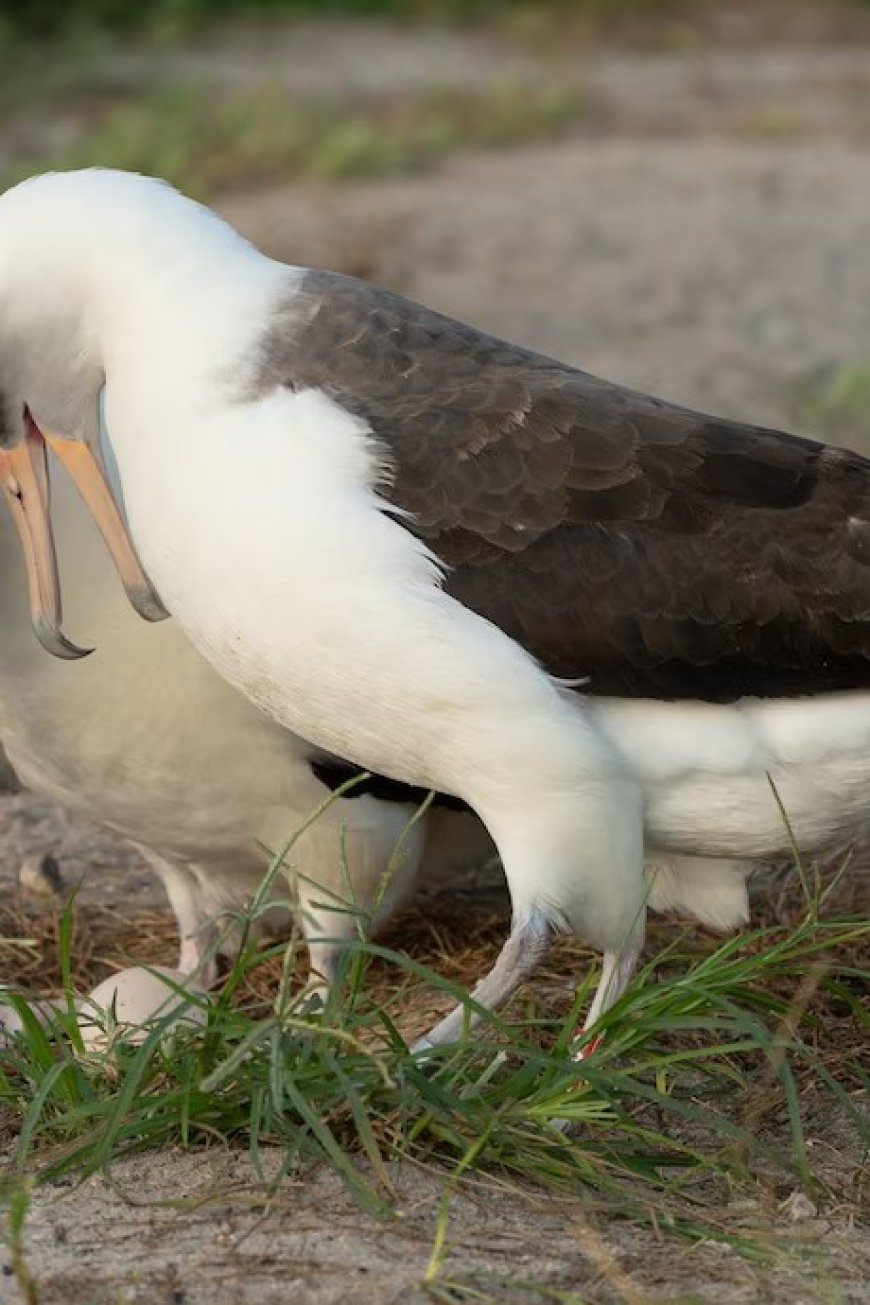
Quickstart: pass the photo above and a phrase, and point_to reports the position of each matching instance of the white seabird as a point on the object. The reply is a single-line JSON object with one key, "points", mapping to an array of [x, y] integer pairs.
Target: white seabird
{"points": [[146, 739], [401, 538]]}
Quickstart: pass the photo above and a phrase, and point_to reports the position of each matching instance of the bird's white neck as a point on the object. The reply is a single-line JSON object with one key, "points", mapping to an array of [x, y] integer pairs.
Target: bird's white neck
{"points": [[142, 281]]}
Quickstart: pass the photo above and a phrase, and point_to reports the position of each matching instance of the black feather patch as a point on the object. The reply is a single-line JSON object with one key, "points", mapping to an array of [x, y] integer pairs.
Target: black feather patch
{"points": [[652, 550], [333, 772]]}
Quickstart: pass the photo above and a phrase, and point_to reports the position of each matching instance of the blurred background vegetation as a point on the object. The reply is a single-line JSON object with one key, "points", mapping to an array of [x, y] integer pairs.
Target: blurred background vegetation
{"points": [[146, 86], [95, 81], [87, 82], [46, 16], [227, 97]]}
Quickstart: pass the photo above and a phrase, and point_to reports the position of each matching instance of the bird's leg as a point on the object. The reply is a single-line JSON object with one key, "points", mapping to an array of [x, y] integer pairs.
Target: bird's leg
{"points": [[351, 879], [198, 935], [573, 860], [196, 956], [526, 947], [617, 969], [328, 924], [616, 972]]}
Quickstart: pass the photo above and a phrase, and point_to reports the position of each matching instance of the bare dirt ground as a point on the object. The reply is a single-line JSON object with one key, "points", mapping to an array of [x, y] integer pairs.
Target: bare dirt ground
{"points": [[706, 237]]}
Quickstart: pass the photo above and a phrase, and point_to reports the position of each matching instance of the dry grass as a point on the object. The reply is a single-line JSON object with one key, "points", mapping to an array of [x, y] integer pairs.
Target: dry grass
{"points": [[457, 934], [694, 1119]]}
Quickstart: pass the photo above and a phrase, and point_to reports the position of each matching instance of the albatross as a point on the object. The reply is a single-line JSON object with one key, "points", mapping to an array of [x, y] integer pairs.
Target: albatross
{"points": [[602, 621], [144, 738]]}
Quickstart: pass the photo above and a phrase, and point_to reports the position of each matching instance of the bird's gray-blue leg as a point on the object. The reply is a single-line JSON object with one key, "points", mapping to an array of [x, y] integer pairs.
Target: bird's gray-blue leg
{"points": [[617, 970], [526, 947]]}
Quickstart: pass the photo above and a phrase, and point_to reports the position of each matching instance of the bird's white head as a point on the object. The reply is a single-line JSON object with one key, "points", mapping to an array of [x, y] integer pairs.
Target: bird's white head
{"points": [[59, 265]]}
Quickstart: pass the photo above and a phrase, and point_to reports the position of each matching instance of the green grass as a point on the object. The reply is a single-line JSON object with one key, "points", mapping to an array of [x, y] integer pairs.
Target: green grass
{"points": [[206, 143], [702, 1050]]}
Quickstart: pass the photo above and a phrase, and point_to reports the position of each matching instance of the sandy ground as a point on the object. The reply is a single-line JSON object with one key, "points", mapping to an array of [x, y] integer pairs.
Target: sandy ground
{"points": [[313, 1245], [720, 268]]}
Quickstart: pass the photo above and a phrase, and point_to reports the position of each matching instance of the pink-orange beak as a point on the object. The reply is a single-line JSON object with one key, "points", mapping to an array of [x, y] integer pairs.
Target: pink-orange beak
{"points": [[24, 479]]}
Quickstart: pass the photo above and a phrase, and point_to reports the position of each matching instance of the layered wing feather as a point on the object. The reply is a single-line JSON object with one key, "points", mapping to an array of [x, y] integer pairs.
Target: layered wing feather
{"points": [[657, 551]]}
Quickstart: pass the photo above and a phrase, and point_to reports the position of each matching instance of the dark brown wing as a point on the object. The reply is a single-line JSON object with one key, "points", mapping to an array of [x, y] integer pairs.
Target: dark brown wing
{"points": [[653, 549]]}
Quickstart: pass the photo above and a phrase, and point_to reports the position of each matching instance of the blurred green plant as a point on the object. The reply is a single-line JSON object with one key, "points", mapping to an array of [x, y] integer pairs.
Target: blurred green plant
{"points": [[189, 137], [834, 404], [45, 17]]}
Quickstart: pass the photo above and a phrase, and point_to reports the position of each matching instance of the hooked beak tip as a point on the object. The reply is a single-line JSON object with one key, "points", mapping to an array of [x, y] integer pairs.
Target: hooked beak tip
{"points": [[147, 603], [55, 642]]}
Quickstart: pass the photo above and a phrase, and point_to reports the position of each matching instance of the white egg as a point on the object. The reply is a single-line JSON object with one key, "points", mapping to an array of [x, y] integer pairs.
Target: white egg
{"points": [[11, 1022], [128, 1003]]}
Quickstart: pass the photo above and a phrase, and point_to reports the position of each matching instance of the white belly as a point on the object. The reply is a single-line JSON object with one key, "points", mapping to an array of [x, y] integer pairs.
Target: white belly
{"points": [[714, 776]]}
